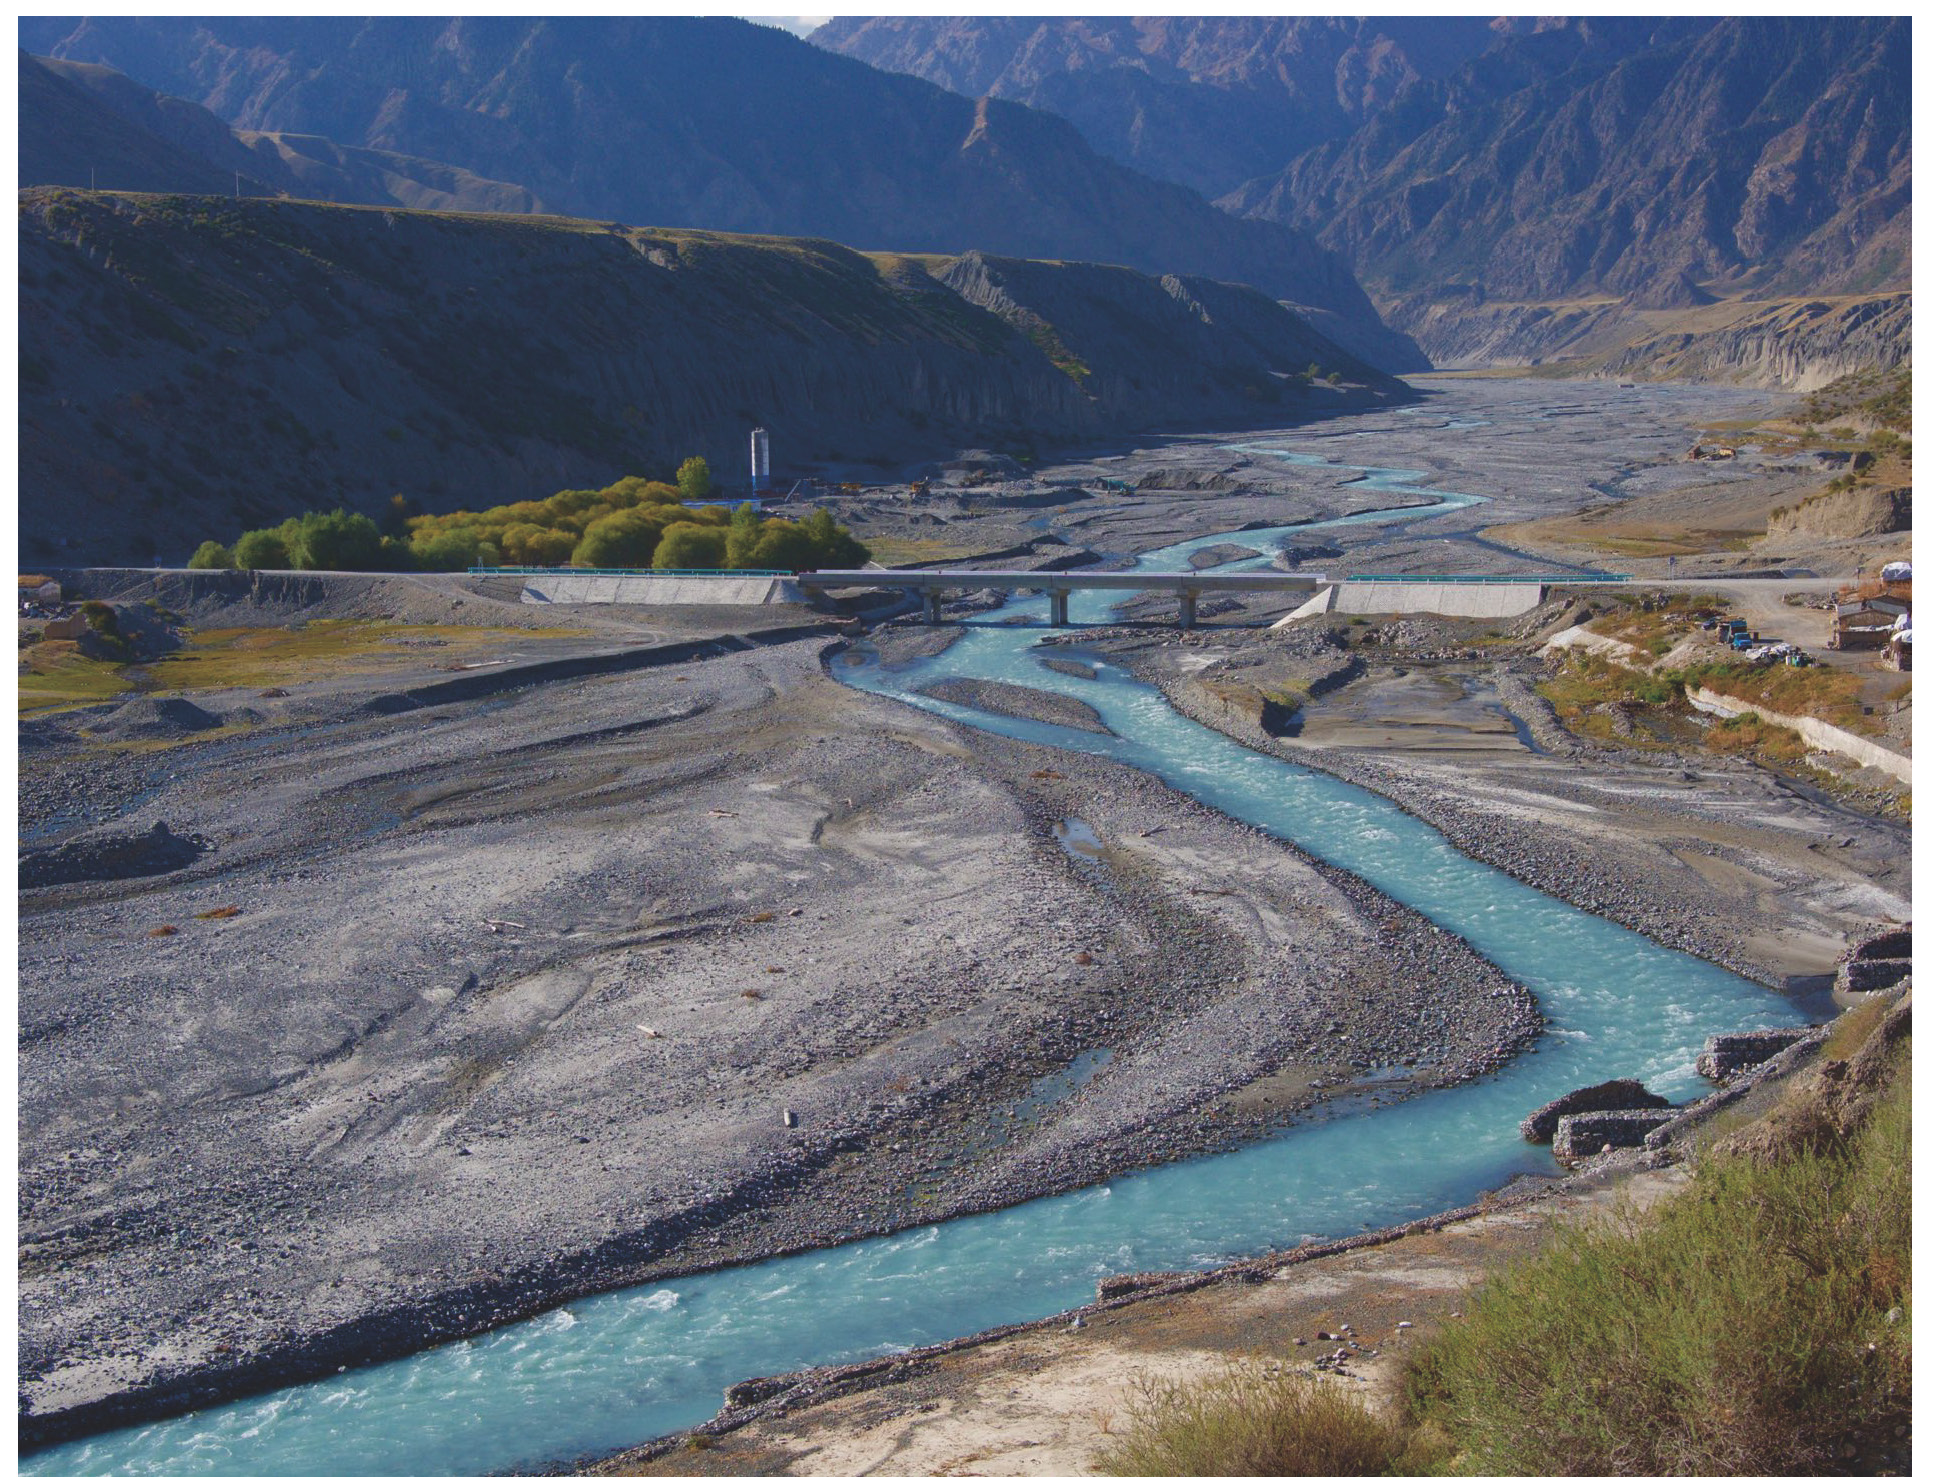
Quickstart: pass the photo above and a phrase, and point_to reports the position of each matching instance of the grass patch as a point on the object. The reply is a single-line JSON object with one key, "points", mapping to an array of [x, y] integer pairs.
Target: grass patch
{"points": [[1756, 1325], [223, 912], [257, 656], [55, 676], [1243, 1423], [1823, 692], [1752, 736]]}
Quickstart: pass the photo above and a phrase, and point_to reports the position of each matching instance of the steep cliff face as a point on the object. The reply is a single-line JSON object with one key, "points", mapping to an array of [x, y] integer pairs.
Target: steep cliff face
{"points": [[194, 366], [1791, 344], [709, 123], [1752, 154]]}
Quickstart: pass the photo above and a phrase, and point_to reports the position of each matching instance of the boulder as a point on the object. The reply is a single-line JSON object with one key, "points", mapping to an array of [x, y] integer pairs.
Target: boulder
{"points": [[1623, 1093]]}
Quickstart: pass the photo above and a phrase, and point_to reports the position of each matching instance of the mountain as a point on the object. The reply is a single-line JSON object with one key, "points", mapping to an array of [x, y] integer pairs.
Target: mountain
{"points": [[1207, 101], [193, 366], [83, 124], [1765, 155], [68, 138], [718, 124], [1509, 192]]}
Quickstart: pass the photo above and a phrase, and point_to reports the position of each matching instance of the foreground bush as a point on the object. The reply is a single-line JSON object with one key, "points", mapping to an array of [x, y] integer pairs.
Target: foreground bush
{"points": [[1244, 1424], [1755, 1326]]}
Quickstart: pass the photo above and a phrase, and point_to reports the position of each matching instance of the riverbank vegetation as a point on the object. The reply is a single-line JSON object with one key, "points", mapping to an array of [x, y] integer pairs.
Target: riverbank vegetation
{"points": [[633, 523], [1757, 1324]]}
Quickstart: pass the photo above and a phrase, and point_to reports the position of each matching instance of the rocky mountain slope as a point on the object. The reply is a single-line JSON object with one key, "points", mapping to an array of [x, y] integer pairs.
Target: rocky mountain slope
{"points": [[1208, 101], [191, 367], [1765, 155], [716, 124], [87, 125], [1510, 193]]}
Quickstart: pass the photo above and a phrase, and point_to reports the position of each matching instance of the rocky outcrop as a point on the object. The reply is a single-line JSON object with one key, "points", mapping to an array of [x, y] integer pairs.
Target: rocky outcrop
{"points": [[1855, 512], [1727, 1055], [1786, 344], [206, 365], [1625, 1093]]}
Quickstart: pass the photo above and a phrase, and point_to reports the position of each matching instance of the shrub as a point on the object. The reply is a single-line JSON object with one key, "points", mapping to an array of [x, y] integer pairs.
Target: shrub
{"points": [[1252, 1425], [1756, 1326], [456, 548], [335, 540], [260, 549], [690, 546], [211, 555]]}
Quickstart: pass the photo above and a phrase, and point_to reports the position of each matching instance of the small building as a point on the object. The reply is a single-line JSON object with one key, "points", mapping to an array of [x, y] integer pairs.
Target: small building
{"points": [[1899, 654], [40, 589], [1860, 624]]}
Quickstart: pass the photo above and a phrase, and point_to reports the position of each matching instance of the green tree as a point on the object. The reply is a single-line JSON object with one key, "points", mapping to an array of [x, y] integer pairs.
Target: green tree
{"points": [[690, 546], [1334, 378], [832, 545], [261, 548], [623, 540], [334, 540], [741, 538], [783, 545], [453, 548], [694, 479], [211, 555]]}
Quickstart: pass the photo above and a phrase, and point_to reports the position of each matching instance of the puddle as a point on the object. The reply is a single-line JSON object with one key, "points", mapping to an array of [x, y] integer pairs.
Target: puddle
{"points": [[1076, 838]]}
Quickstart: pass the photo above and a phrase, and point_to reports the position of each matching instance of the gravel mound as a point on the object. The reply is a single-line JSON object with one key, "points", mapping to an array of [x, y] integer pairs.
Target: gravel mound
{"points": [[157, 717], [111, 858]]}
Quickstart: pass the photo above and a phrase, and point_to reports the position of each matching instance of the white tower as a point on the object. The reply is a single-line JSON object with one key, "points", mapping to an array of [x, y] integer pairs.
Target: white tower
{"points": [[760, 460]]}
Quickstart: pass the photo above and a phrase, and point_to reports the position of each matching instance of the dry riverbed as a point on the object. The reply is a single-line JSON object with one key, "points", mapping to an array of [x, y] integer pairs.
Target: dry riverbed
{"points": [[440, 1014]]}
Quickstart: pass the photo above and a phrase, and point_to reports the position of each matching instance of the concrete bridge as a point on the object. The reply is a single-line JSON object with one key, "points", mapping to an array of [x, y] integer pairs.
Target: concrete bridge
{"points": [[932, 584]]}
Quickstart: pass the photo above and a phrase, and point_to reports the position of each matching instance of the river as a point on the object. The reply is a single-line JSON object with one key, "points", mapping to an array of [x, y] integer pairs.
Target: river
{"points": [[619, 1369]]}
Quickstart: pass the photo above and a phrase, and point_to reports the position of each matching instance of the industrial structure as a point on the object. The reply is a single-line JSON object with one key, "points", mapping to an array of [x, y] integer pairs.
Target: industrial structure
{"points": [[761, 460]]}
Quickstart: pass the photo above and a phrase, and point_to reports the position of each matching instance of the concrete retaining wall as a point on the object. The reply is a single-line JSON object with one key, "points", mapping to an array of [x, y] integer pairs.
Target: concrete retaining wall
{"points": [[1383, 597], [659, 589], [1814, 733]]}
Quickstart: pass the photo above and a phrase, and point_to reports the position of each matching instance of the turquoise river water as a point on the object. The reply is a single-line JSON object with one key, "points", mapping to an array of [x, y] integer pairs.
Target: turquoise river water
{"points": [[619, 1369]]}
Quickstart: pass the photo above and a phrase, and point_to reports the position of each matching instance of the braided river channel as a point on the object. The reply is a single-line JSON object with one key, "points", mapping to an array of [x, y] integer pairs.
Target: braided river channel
{"points": [[622, 1368]]}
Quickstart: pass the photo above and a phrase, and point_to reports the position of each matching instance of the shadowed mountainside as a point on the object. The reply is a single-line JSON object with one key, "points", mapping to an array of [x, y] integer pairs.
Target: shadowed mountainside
{"points": [[83, 124], [716, 124], [191, 367]]}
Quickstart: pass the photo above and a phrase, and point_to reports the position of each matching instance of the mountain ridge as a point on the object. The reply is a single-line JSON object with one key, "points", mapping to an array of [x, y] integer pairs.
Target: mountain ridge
{"points": [[747, 129], [193, 366]]}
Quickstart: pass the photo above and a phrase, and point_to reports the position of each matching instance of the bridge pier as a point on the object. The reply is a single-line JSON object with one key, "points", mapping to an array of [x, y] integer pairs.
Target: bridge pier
{"points": [[1058, 607], [1187, 608], [930, 601]]}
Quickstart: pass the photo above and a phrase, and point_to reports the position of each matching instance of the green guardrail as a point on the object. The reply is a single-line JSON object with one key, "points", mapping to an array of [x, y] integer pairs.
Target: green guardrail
{"points": [[653, 573]]}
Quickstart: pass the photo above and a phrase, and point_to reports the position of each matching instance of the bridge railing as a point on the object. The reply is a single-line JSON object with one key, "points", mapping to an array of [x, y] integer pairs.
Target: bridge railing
{"points": [[1472, 579], [756, 574]]}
